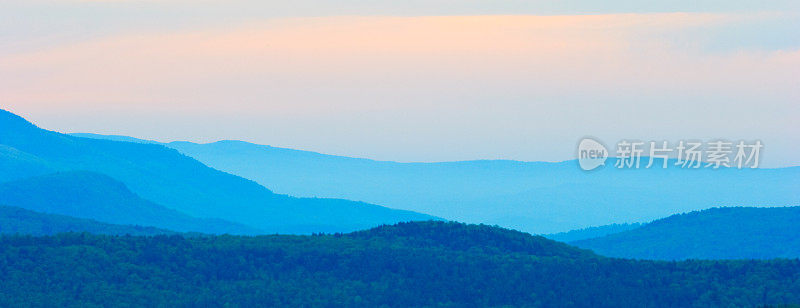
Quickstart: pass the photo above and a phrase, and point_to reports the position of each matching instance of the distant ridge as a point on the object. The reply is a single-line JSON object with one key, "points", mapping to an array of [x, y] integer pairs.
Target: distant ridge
{"points": [[591, 232], [114, 138], [14, 220], [536, 197], [717, 233], [90, 195], [166, 177]]}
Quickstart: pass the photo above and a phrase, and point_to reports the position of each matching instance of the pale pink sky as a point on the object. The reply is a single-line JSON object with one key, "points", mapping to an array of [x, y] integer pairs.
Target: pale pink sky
{"points": [[420, 88]]}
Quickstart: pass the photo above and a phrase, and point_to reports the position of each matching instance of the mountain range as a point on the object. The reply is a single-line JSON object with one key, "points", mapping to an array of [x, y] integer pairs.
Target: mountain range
{"points": [[80, 184], [165, 177], [536, 197]]}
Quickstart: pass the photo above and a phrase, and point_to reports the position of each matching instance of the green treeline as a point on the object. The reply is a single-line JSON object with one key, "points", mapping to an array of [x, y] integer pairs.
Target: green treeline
{"points": [[409, 264]]}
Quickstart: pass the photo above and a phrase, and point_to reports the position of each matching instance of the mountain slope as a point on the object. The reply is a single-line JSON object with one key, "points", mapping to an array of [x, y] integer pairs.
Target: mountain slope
{"points": [[420, 264], [113, 138], [718, 233], [166, 177], [15, 164], [591, 232], [95, 196], [14, 220], [535, 197]]}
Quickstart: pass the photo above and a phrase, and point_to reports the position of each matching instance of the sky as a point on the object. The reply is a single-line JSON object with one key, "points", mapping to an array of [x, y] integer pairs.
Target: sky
{"points": [[409, 80]]}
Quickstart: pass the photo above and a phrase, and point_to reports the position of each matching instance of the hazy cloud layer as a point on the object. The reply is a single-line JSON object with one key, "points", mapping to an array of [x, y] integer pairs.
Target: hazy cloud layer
{"points": [[410, 87]]}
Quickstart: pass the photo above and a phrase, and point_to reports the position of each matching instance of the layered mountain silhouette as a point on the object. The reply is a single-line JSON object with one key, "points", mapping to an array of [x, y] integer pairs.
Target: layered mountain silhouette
{"points": [[14, 220], [175, 181], [535, 197], [90, 195], [717, 233]]}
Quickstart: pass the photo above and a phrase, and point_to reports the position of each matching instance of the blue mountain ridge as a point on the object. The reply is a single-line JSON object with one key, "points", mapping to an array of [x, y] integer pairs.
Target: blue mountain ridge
{"points": [[536, 197], [19, 221], [89, 195], [716, 233], [178, 182]]}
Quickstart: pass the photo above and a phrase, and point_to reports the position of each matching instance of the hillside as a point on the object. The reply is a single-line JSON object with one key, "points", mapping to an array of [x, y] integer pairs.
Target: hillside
{"points": [[15, 164], [718, 233], [463, 237], [89, 195], [14, 220], [178, 182], [591, 232], [407, 265], [535, 197]]}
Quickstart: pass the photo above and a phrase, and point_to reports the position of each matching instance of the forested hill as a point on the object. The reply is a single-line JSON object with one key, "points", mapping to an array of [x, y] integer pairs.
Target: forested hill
{"points": [[14, 220], [717, 233], [406, 265], [464, 237]]}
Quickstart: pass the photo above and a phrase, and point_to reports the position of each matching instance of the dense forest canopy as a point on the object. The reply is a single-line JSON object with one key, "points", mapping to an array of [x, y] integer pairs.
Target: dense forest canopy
{"points": [[409, 264]]}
